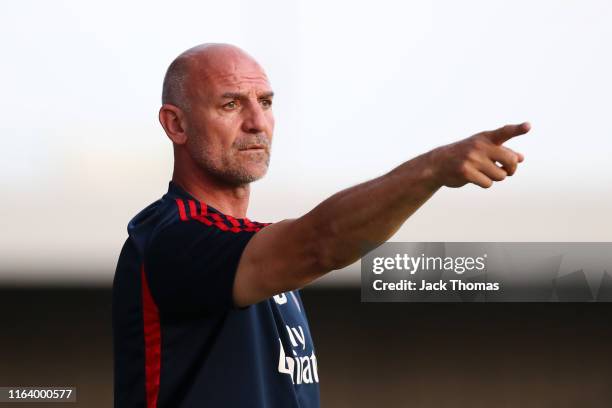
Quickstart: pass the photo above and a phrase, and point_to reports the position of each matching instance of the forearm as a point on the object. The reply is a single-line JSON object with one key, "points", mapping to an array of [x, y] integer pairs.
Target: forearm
{"points": [[369, 213], [292, 253]]}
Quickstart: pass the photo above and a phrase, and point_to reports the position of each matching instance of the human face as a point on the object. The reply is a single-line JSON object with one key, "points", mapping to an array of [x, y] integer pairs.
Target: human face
{"points": [[231, 122]]}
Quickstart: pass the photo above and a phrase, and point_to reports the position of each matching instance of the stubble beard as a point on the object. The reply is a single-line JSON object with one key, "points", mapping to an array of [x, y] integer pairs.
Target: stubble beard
{"points": [[229, 168]]}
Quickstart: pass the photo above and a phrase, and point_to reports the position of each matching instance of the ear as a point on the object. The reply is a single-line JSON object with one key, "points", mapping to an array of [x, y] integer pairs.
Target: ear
{"points": [[173, 121]]}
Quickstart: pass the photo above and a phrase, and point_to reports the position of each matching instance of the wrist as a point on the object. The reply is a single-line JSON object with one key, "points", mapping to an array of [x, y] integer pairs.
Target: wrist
{"points": [[431, 170]]}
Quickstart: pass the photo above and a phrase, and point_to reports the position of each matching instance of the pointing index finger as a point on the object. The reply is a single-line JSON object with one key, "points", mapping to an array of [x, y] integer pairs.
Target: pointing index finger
{"points": [[507, 132]]}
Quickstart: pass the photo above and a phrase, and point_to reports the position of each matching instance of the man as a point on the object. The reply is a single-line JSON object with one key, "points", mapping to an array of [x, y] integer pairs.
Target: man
{"points": [[206, 304]]}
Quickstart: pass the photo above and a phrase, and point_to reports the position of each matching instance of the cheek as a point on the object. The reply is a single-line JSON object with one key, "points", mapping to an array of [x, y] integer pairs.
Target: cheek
{"points": [[227, 128], [220, 132], [271, 124]]}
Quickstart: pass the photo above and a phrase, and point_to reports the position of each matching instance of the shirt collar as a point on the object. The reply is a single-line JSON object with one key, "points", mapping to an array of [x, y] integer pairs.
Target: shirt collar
{"points": [[175, 191]]}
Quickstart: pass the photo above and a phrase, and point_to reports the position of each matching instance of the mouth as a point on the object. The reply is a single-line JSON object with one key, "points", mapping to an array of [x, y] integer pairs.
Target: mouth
{"points": [[254, 148]]}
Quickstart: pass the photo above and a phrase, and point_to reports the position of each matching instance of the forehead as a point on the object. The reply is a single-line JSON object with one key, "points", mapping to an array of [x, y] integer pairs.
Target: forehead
{"points": [[232, 73]]}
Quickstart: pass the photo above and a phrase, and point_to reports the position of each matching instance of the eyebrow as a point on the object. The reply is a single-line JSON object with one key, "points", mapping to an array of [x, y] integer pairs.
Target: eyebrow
{"points": [[238, 95]]}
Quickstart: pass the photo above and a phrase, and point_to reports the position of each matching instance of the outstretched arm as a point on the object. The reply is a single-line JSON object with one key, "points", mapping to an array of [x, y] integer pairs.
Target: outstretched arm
{"points": [[292, 253]]}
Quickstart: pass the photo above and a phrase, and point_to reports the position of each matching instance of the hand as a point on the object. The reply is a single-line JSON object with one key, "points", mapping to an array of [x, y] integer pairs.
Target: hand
{"points": [[473, 160]]}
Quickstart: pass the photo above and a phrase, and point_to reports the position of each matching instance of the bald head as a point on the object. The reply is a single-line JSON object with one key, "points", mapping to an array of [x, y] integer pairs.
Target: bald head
{"points": [[189, 71]]}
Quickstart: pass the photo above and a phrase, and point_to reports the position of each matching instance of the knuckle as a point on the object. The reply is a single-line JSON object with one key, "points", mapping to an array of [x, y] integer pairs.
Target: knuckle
{"points": [[479, 144], [472, 155], [464, 170]]}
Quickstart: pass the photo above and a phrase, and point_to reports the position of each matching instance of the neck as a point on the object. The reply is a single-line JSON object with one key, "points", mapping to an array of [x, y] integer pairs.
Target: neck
{"points": [[229, 199]]}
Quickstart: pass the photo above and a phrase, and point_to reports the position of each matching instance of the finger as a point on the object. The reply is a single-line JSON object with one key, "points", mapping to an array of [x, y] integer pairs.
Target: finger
{"points": [[520, 156], [492, 171], [507, 132], [480, 179], [506, 157]]}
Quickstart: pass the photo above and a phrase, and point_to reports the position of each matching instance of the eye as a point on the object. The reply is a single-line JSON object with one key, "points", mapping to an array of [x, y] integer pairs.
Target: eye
{"points": [[230, 105], [266, 103]]}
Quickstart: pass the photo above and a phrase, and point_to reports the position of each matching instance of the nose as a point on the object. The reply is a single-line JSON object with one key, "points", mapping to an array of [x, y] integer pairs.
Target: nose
{"points": [[255, 120]]}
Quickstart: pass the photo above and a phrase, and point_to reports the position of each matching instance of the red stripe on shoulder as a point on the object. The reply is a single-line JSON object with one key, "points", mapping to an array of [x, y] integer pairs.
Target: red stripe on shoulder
{"points": [[203, 208], [248, 223], [181, 209], [232, 221], [193, 212], [214, 219], [204, 220]]}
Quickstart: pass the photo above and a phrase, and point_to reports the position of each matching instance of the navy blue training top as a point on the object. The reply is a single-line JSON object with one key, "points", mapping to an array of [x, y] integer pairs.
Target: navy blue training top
{"points": [[178, 339]]}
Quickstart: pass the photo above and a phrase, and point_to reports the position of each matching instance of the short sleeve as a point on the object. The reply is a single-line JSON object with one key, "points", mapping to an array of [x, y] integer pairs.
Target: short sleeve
{"points": [[190, 267]]}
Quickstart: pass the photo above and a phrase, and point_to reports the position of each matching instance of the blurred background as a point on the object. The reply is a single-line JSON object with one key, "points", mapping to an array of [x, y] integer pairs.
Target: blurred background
{"points": [[360, 88]]}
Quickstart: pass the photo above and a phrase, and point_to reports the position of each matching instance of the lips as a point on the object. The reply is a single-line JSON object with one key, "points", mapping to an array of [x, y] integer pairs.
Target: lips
{"points": [[255, 147]]}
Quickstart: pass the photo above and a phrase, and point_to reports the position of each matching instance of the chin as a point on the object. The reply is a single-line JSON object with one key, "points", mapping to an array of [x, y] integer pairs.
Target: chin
{"points": [[245, 175], [258, 173], [255, 169]]}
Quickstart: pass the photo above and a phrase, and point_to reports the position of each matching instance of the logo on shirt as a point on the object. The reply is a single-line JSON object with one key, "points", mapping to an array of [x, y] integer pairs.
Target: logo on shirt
{"points": [[282, 299], [301, 368]]}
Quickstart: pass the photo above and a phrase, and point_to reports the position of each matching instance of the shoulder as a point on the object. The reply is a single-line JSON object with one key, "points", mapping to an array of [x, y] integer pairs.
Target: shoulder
{"points": [[187, 222], [192, 211], [177, 221], [192, 258]]}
